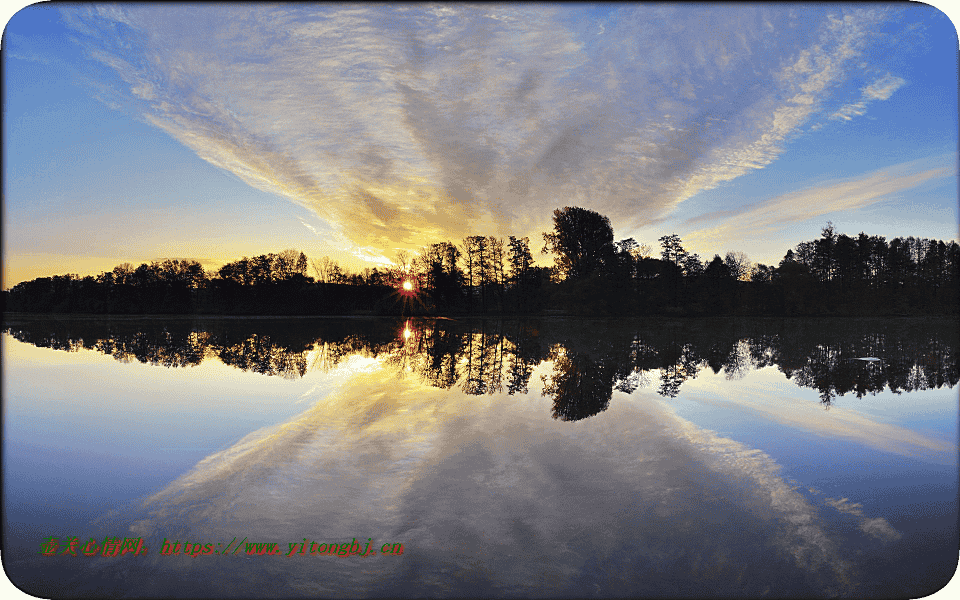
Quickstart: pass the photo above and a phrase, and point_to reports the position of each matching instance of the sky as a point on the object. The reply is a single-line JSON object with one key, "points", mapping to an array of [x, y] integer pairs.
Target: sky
{"points": [[138, 132]]}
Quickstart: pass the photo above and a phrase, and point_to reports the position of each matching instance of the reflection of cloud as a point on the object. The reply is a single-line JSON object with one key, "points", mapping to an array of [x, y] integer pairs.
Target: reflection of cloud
{"points": [[770, 401], [761, 219], [802, 534], [845, 506], [493, 486], [877, 527], [407, 124]]}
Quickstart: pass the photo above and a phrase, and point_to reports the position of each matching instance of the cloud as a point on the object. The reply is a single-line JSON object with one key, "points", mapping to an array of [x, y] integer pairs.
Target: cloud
{"points": [[877, 527], [404, 125], [881, 89], [24, 48], [308, 226], [763, 218]]}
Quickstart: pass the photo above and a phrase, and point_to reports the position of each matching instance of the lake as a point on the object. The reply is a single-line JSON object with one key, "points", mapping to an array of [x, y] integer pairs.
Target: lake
{"points": [[545, 457]]}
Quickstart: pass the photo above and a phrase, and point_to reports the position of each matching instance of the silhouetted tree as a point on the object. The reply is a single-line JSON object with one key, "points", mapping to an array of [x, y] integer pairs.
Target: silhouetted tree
{"points": [[476, 252], [440, 273], [672, 250], [520, 282], [580, 241]]}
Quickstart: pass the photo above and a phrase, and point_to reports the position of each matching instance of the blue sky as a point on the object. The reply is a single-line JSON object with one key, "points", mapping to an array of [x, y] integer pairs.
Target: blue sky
{"points": [[136, 132]]}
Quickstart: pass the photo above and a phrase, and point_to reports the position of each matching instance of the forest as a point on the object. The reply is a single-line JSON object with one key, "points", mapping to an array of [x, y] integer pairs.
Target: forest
{"points": [[592, 275]]}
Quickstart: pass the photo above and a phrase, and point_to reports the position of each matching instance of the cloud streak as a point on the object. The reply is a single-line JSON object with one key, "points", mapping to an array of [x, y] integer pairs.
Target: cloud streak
{"points": [[877, 527], [881, 89], [765, 218], [405, 125]]}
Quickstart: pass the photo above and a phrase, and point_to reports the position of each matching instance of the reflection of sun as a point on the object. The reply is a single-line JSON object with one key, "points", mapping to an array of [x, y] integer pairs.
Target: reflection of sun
{"points": [[407, 333], [407, 285]]}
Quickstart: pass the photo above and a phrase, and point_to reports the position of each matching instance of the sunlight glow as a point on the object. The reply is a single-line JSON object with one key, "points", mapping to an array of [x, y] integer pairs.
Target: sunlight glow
{"points": [[408, 285]]}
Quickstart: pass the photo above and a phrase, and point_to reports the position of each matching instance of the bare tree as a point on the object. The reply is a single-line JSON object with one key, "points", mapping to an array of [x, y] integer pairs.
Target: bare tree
{"points": [[495, 265], [326, 270], [285, 263], [739, 265], [123, 273], [402, 260]]}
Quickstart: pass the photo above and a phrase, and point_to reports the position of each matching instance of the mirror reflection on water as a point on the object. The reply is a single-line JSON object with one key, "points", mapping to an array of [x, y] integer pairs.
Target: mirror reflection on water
{"points": [[510, 458]]}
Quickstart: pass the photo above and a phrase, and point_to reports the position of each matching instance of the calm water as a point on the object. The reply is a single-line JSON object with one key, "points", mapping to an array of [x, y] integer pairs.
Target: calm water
{"points": [[523, 458]]}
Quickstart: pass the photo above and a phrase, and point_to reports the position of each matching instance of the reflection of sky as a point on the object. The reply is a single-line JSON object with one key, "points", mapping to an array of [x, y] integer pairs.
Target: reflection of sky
{"points": [[481, 480], [886, 421], [488, 485], [87, 432], [894, 454]]}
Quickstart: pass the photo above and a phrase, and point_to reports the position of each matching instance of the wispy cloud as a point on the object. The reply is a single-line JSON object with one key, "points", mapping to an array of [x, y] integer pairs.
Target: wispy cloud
{"points": [[23, 48], [409, 124], [764, 218], [308, 226], [877, 527], [881, 89]]}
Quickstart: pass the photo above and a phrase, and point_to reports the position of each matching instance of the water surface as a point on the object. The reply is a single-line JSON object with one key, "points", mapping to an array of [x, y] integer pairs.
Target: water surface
{"points": [[511, 458]]}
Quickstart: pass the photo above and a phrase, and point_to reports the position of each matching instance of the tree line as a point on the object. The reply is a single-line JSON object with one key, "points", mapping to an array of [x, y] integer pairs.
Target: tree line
{"points": [[833, 275], [592, 275]]}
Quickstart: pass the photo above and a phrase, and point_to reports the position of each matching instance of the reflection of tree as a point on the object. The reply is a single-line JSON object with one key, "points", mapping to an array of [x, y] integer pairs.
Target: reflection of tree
{"points": [[524, 356], [678, 364], [580, 387], [269, 347], [915, 354], [478, 354], [443, 348], [590, 360], [484, 367], [257, 353], [591, 357], [158, 343]]}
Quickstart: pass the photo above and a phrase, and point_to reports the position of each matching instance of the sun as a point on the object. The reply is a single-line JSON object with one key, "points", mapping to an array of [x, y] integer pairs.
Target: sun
{"points": [[407, 292]]}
